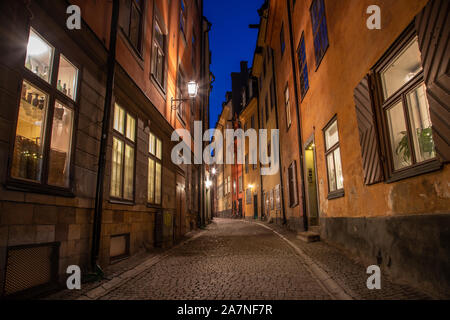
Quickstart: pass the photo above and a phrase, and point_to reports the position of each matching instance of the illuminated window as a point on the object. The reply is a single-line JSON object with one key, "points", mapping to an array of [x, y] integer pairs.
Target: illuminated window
{"points": [[154, 170], [333, 159], [123, 155], [406, 110], [42, 154]]}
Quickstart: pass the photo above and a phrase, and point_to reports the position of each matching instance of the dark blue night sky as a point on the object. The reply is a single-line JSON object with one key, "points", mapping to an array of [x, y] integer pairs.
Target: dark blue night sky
{"points": [[231, 42]]}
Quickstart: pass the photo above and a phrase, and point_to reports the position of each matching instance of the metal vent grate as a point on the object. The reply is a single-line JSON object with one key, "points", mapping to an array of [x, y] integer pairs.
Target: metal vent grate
{"points": [[30, 267]]}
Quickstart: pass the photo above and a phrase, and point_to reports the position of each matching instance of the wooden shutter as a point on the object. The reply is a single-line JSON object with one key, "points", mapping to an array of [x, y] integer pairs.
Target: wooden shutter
{"points": [[373, 170], [432, 25]]}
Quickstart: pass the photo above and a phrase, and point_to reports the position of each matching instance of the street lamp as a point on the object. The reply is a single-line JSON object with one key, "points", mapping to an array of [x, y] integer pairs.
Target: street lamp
{"points": [[192, 87], [208, 183], [213, 171]]}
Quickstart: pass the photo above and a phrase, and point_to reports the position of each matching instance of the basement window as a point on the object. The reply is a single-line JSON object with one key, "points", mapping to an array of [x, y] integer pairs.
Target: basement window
{"points": [[119, 247]]}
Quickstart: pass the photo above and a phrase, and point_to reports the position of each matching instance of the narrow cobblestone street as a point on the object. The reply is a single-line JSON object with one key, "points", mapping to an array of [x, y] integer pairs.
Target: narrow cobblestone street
{"points": [[232, 260], [236, 260]]}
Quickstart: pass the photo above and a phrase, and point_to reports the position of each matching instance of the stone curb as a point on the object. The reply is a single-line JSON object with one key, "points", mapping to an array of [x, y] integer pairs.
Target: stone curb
{"points": [[121, 279], [321, 276]]}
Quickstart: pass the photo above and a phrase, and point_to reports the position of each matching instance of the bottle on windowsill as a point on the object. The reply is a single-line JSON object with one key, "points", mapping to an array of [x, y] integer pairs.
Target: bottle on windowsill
{"points": [[65, 89], [59, 85]]}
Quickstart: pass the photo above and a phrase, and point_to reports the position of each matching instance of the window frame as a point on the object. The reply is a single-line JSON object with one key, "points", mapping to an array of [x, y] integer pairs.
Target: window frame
{"points": [[338, 193], [141, 10], [293, 179], [248, 196], [317, 32], [153, 72], [181, 108], [383, 104], [282, 40], [122, 137], [302, 65], [183, 18], [287, 105], [54, 95], [247, 167], [159, 161]]}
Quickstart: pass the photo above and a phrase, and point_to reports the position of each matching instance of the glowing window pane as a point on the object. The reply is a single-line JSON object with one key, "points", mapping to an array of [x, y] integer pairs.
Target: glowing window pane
{"points": [[39, 58], [30, 134], [61, 146]]}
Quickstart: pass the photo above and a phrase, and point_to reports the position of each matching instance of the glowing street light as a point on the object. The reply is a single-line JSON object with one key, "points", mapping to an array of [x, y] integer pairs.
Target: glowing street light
{"points": [[192, 89]]}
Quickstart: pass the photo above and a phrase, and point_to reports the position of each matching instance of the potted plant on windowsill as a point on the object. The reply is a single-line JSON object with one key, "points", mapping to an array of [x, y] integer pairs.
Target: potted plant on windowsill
{"points": [[426, 144]]}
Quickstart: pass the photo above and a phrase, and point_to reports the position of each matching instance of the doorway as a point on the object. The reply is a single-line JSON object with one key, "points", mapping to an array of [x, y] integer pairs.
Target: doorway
{"points": [[255, 207], [240, 215], [311, 184]]}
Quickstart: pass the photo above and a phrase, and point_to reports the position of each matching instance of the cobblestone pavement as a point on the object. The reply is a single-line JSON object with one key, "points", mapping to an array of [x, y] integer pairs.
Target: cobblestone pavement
{"points": [[349, 273], [231, 261], [236, 260]]}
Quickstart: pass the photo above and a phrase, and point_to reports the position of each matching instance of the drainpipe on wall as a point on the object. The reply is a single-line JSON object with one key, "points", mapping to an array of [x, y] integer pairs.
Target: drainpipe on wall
{"points": [[299, 127], [111, 65], [205, 78], [202, 71], [261, 189], [279, 145]]}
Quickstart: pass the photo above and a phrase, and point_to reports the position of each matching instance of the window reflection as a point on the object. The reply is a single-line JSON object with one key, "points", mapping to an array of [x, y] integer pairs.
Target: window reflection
{"points": [[60, 147], [67, 78], [129, 173], [39, 56], [116, 173], [119, 119], [421, 124], [30, 134], [332, 136], [405, 67], [399, 137]]}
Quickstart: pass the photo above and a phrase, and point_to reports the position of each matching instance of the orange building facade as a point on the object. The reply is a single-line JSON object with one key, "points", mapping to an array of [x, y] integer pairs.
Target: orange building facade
{"points": [[364, 116]]}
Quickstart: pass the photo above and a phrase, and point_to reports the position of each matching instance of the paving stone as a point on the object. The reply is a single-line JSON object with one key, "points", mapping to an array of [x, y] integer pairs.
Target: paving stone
{"points": [[235, 260]]}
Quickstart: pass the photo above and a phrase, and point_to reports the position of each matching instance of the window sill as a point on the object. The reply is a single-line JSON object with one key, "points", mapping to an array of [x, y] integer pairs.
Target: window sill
{"points": [[428, 167], [137, 55], [154, 206], [336, 195], [23, 186], [122, 202], [158, 86], [116, 260]]}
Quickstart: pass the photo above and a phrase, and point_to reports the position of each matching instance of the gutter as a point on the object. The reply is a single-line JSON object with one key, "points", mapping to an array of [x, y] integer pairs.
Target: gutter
{"points": [[279, 145], [299, 127], [111, 67]]}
